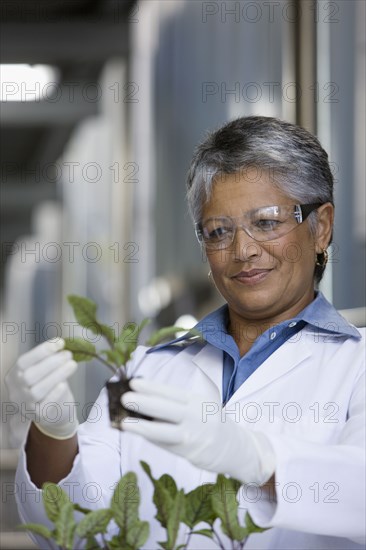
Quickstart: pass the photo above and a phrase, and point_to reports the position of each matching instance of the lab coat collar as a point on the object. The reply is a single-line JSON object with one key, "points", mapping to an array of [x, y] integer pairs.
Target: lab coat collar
{"points": [[285, 358], [209, 360], [322, 315], [288, 356]]}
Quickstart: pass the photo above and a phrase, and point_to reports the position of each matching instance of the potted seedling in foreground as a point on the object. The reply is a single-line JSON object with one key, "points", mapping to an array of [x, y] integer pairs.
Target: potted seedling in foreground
{"points": [[210, 510], [116, 355]]}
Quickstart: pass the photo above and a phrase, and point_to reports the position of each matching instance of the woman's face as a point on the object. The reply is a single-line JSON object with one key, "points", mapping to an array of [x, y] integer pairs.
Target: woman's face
{"points": [[263, 281]]}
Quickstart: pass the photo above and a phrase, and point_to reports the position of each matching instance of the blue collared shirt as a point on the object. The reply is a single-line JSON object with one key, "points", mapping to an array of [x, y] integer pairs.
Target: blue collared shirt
{"points": [[213, 328]]}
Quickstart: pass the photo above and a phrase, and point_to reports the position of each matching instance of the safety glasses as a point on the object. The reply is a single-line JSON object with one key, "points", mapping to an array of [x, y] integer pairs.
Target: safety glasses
{"points": [[262, 224]]}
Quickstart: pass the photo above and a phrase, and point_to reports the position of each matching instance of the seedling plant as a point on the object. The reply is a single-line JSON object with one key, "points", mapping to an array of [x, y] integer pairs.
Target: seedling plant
{"points": [[210, 510]]}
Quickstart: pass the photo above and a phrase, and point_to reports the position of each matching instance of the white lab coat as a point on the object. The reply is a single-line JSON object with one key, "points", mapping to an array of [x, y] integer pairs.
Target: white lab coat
{"points": [[308, 397]]}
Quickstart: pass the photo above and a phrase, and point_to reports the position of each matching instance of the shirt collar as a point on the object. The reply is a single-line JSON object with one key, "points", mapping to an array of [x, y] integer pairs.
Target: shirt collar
{"points": [[320, 314]]}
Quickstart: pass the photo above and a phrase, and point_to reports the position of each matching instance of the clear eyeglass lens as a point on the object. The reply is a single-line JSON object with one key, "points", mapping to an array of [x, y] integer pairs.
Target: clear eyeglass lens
{"points": [[263, 224]]}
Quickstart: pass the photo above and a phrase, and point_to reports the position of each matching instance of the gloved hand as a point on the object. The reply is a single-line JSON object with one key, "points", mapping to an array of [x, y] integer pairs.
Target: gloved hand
{"points": [[37, 384], [196, 428]]}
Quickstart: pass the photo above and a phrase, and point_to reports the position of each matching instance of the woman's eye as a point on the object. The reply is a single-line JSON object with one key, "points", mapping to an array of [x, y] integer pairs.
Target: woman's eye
{"points": [[267, 225], [219, 232]]}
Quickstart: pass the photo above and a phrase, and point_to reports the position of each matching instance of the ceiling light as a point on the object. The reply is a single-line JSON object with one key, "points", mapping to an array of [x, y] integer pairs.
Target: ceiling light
{"points": [[23, 82]]}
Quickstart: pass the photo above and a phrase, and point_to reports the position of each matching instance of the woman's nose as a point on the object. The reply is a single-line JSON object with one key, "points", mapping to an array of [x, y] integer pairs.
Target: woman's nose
{"points": [[244, 246]]}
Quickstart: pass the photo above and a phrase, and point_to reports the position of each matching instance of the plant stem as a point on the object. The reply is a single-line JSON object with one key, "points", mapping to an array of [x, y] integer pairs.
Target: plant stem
{"points": [[189, 537], [218, 540], [110, 342], [109, 365]]}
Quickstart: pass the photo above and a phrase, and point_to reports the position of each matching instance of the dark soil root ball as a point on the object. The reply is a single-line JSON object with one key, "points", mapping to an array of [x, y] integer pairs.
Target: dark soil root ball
{"points": [[117, 412]]}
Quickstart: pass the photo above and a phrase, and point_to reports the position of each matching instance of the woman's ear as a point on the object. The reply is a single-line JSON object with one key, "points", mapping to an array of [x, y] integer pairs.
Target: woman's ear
{"points": [[324, 230]]}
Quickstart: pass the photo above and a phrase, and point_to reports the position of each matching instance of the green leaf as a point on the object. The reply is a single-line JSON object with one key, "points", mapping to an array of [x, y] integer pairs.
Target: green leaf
{"points": [[163, 333], [106, 331], [115, 356], [166, 546], [127, 341], [131, 331], [118, 543], [199, 506], [147, 469], [79, 508], [161, 498], [125, 503], [204, 532], [85, 313], [114, 543], [225, 505], [38, 529], [91, 544], [81, 350], [234, 483], [65, 526], [252, 527], [94, 523], [138, 534], [163, 502], [84, 309], [125, 350], [169, 484], [174, 519], [54, 498]]}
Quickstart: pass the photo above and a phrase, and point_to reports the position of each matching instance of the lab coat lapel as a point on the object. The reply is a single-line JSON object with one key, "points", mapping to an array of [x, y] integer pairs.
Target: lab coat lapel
{"points": [[209, 360], [285, 358]]}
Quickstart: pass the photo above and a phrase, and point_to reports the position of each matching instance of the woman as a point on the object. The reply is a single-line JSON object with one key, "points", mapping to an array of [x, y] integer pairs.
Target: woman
{"points": [[274, 392]]}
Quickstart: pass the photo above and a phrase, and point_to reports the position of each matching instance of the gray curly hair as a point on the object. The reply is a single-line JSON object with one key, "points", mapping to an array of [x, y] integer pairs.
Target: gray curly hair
{"points": [[294, 158]]}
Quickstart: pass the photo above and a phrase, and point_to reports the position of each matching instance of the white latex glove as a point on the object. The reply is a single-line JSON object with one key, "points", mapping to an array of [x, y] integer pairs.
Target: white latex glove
{"points": [[37, 384], [194, 427]]}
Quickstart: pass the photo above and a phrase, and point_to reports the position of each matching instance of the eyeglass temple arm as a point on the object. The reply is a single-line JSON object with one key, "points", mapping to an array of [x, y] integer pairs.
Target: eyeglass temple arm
{"points": [[306, 209]]}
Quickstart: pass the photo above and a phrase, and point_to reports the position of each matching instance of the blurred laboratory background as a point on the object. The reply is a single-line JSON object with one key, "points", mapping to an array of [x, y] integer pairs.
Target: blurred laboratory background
{"points": [[102, 104]]}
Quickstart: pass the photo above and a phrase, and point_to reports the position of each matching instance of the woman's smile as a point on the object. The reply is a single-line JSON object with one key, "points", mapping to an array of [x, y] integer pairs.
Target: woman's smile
{"points": [[251, 277]]}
